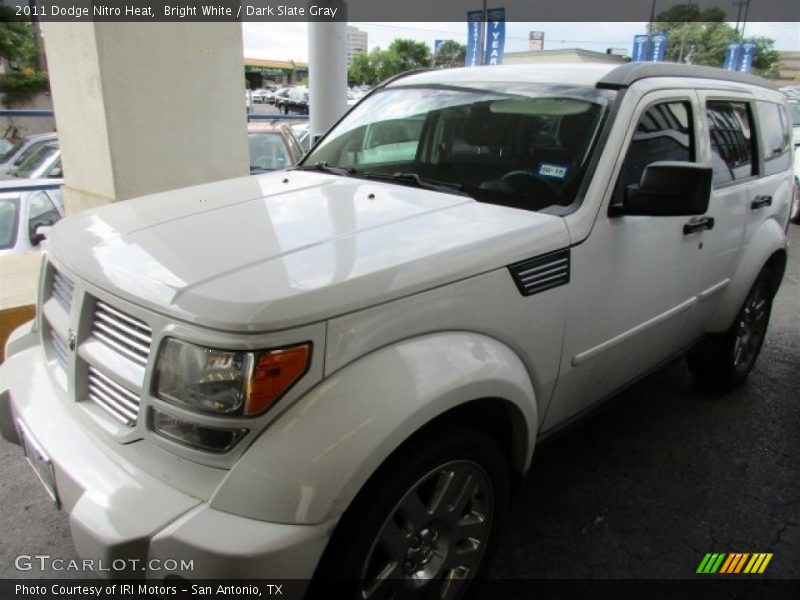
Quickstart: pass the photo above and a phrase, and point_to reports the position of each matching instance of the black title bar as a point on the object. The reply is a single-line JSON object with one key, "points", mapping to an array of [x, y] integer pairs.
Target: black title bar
{"points": [[384, 10]]}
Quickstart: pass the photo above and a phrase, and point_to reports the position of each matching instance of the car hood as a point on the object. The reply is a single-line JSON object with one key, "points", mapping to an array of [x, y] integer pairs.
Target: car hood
{"points": [[289, 248]]}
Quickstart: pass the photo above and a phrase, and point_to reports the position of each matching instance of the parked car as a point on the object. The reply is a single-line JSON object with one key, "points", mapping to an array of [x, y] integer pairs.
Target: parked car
{"points": [[273, 146], [261, 96], [25, 217], [41, 160], [301, 132], [794, 115], [279, 95], [12, 158], [342, 370], [295, 101]]}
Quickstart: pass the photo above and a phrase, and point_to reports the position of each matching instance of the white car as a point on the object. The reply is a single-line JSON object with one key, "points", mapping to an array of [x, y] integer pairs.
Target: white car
{"points": [[27, 212], [340, 370], [22, 150], [794, 115]]}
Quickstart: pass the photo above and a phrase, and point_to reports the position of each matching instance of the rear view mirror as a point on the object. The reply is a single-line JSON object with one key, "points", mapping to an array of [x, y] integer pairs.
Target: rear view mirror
{"points": [[39, 234], [668, 189]]}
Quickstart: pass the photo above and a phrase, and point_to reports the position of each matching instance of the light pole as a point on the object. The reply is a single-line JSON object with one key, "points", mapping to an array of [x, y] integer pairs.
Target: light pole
{"points": [[481, 38]]}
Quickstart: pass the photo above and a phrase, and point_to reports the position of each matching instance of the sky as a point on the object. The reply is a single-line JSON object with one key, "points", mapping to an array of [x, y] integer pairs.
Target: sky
{"points": [[289, 41]]}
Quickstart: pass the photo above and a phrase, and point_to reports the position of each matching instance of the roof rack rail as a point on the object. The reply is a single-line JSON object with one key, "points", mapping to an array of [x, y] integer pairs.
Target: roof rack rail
{"points": [[624, 75]]}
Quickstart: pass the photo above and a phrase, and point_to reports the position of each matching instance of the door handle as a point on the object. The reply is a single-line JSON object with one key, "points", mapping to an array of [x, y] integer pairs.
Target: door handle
{"points": [[760, 202], [698, 224]]}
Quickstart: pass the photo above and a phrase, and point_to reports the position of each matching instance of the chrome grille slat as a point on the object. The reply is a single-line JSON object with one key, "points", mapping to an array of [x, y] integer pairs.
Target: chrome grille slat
{"points": [[126, 397], [124, 350], [111, 409], [59, 348], [129, 339], [126, 329], [120, 337], [120, 315], [124, 334], [119, 402], [62, 289]]}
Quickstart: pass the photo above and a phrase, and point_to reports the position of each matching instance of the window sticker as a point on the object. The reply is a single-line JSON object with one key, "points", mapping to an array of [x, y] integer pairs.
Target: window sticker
{"points": [[552, 170]]}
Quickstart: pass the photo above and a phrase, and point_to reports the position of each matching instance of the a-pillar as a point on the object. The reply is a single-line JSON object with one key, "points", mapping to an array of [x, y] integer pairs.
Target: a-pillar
{"points": [[143, 108]]}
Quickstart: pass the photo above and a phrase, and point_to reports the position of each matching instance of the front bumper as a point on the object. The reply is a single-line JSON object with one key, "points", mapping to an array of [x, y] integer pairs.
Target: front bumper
{"points": [[117, 510]]}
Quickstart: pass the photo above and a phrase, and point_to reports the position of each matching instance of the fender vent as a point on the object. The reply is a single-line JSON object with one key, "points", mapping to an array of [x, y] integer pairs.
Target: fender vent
{"points": [[541, 273]]}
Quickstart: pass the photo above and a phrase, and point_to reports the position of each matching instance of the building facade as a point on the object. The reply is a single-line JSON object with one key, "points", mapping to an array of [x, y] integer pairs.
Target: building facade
{"points": [[356, 43]]}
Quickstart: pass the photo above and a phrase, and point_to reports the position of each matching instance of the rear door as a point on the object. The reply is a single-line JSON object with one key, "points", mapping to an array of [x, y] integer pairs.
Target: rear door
{"points": [[729, 146]]}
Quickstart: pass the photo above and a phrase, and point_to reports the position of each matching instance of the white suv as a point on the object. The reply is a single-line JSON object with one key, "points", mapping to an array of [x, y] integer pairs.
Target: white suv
{"points": [[342, 369]]}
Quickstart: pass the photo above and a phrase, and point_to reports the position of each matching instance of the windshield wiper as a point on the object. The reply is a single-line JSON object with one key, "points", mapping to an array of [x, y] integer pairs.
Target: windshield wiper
{"points": [[326, 168], [420, 182]]}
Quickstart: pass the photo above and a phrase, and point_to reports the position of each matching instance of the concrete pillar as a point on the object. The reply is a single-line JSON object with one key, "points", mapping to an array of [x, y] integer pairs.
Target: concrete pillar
{"points": [[327, 72], [143, 108]]}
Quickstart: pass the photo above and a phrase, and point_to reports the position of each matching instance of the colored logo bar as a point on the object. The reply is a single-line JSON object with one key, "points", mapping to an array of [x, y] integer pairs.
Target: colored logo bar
{"points": [[734, 563]]}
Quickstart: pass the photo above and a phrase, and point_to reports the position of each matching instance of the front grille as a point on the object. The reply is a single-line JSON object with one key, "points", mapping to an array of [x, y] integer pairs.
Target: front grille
{"points": [[120, 403], [542, 273], [124, 334], [62, 289], [59, 348]]}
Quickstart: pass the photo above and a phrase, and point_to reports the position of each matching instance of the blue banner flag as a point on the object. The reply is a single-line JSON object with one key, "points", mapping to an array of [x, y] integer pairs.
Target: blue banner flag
{"points": [[658, 47], [474, 27], [495, 36], [731, 62], [437, 44], [639, 53], [746, 61]]}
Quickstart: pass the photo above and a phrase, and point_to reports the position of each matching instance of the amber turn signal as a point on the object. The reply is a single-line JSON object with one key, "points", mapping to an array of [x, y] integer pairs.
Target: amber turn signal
{"points": [[273, 374]]}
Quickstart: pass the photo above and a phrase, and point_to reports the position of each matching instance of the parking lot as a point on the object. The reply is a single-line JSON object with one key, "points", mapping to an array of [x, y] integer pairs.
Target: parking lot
{"points": [[663, 474]]}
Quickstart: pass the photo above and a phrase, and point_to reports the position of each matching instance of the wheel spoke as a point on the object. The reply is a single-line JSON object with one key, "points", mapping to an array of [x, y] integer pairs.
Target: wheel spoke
{"points": [[393, 539], [445, 484], [415, 510]]}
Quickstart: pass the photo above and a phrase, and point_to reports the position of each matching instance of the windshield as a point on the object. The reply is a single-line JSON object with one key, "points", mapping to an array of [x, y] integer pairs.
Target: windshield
{"points": [[267, 152], [7, 148], [39, 156], [9, 212], [521, 145]]}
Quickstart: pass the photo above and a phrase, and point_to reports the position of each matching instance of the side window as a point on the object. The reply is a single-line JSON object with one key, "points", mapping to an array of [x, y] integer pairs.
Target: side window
{"points": [[776, 137], [730, 126], [664, 132]]}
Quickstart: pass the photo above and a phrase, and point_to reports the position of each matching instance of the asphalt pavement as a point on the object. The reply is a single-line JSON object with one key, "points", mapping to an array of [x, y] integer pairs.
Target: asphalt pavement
{"points": [[665, 473]]}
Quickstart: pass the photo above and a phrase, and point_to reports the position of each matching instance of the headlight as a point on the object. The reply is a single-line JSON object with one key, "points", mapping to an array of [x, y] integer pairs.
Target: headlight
{"points": [[211, 439], [225, 382]]}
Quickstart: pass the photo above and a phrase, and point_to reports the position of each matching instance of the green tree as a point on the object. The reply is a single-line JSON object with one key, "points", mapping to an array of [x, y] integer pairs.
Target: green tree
{"points": [[377, 65], [700, 37], [405, 55], [450, 54], [16, 38]]}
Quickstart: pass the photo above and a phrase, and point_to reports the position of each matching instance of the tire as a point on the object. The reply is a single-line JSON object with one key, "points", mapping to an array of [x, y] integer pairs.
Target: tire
{"points": [[723, 361], [795, 218], [286, 109], [433, 509]]}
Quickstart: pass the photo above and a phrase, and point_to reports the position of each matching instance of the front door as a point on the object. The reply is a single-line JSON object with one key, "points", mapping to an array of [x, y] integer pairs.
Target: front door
{"points": [[632, 290]]}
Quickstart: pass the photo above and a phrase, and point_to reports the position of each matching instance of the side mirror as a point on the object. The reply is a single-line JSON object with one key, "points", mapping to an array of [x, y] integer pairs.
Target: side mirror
{"points": [[39, 234], [668, 189]]}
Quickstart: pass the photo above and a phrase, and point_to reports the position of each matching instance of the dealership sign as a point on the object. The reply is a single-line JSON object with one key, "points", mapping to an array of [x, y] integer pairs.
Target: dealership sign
{"points": [[486, 41]]}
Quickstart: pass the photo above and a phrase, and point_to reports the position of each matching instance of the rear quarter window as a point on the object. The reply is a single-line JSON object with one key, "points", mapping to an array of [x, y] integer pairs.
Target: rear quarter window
{"points": [[776, 137]]}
